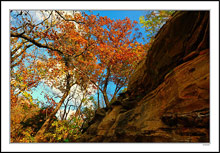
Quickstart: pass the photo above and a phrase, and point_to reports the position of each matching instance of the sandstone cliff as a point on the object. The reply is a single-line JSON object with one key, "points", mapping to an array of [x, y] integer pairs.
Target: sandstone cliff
{"points": [[168, 95]]}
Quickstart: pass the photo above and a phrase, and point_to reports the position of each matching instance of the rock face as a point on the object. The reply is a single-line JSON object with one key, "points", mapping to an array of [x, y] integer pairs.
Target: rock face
{"points": [[168, 95]]}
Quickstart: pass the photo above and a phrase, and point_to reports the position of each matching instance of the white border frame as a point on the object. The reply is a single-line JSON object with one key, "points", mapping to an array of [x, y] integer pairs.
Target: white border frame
{"points": [[137, 5]]}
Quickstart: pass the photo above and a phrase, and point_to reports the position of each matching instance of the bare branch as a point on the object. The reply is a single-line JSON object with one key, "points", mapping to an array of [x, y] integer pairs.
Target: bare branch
{"points": [[45, 19], [23, 50], [68, 19], [16, 49], [26, 37], [93, 82]]}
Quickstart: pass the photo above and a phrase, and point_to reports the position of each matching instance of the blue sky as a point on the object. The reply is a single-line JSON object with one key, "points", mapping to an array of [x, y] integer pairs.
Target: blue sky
{"points": [[118, 14], [113, 14], [122, 14]]}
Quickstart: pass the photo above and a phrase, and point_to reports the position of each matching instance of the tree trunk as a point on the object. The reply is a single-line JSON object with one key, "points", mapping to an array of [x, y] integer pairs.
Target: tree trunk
{"points": [[173, 84], [98, 99], [65, 118], [78, 111], [47, 123], [104, 91], [106, 99]]}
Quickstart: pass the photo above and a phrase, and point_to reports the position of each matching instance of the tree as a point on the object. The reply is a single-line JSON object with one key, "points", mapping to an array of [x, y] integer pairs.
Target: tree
{"points": [[110, 54], [153, 21], [64, 51], [118, 55], [40, 36]]}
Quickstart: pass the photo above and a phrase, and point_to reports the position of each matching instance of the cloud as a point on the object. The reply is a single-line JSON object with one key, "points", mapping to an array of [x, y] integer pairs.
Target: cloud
{"points": [[68, 116], [76, 93], [40, 15]]}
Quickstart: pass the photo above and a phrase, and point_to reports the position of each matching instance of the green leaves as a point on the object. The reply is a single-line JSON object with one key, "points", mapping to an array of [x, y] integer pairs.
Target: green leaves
{"points": [[154, 20], [64, 131]]}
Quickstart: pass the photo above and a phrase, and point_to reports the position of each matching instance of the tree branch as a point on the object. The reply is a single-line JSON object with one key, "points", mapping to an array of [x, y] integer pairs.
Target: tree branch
{"points": [[88, 78], [45, 19], [16, 49], [68, 19], [26, 37], [19, 54]]}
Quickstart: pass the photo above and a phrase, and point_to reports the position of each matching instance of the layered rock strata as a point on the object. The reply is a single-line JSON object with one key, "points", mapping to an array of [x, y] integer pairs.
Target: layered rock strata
{"points": [[168, 94]]}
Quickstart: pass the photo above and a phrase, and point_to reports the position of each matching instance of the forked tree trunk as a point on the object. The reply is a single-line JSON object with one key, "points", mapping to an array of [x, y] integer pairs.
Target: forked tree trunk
{"points": [[40, 134], [106, 99]]}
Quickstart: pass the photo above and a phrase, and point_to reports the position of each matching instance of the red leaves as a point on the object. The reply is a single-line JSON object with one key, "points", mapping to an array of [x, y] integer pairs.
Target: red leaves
{"points": [[92, 47], [13, 28], [51, 101], [135, 22]]}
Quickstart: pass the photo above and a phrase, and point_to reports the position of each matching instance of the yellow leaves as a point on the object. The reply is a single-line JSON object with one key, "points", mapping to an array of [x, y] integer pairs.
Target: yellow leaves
{"points": [[90, 54], [28, 96], [132, 45], [101, 49], [59, 137], [14, 83], [24, 72], [23, 85], [39, 62]]}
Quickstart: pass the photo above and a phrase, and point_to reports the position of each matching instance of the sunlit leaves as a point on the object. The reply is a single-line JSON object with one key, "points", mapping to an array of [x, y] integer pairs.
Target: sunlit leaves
{"points": [[88, 51], [20, 112], [65, 131], [154, 20]]}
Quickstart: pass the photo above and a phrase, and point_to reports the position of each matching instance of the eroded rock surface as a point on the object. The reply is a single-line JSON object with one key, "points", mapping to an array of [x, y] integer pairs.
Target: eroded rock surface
{"points": [[169, 92]]}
